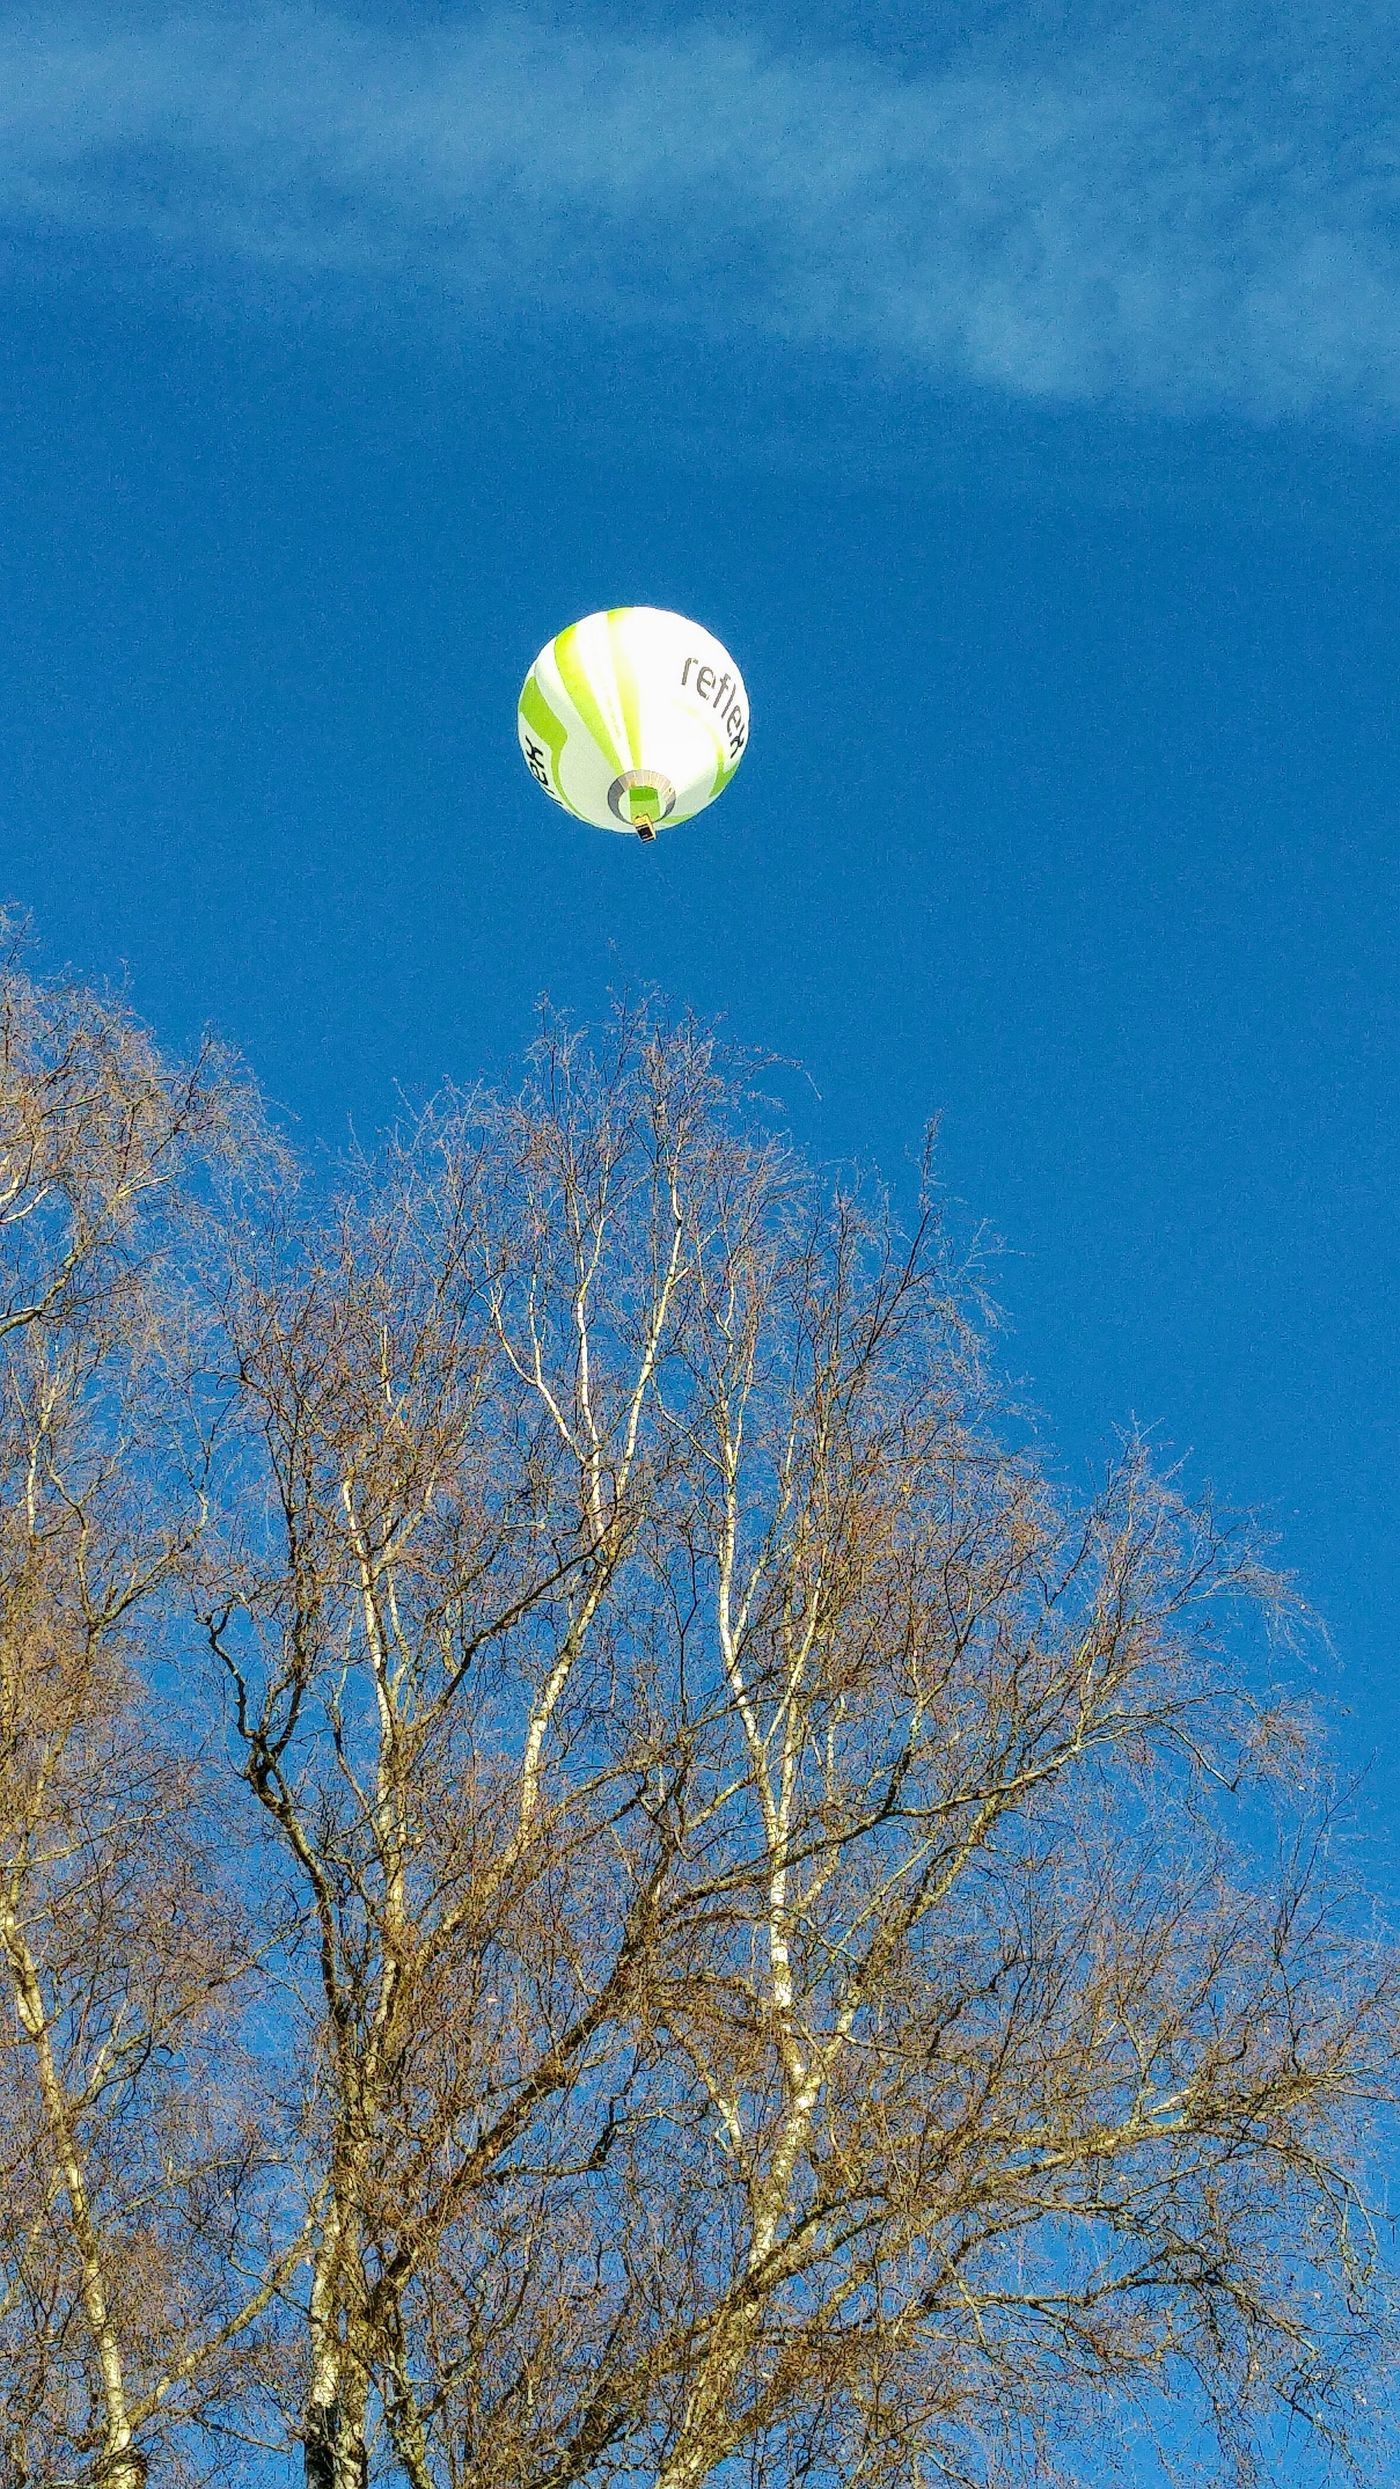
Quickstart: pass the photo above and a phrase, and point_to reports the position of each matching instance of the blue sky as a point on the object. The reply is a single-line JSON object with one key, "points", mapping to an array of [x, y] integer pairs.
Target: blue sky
{"points": [[1019, 400]]}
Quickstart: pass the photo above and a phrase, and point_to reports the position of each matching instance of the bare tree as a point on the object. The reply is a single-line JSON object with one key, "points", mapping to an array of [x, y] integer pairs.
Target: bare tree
{"points": [[132, 2162], [416, 1615], [719, 1926], [807, 1980]]}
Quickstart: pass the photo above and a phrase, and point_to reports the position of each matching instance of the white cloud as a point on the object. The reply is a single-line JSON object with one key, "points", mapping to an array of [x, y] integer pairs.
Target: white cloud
{"points": [[1191, 212]]}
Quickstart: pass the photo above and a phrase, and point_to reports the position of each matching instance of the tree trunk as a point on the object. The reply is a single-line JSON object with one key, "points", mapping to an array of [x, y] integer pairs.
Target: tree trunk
{"points": [[124, 2470], [336, 2454]]}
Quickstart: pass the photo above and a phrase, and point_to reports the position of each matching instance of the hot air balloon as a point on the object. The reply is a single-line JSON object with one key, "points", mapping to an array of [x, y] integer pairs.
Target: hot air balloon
{"points": [[634, 718]]}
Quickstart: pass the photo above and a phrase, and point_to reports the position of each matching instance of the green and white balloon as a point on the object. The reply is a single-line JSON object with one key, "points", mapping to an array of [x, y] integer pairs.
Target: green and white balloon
{"points": [[634, 719]]}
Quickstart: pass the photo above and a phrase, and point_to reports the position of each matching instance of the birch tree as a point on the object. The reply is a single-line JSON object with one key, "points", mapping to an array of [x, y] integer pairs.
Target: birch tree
{"points": [[134, 2244], [819, 1963], [449, 1390]]}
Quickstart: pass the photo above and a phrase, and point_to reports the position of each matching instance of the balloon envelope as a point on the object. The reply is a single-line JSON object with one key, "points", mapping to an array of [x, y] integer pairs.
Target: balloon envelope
{"points": [[633, 718]]}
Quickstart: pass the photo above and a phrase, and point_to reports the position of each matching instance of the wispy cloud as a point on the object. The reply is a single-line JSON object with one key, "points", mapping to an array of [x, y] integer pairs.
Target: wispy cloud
{"points": [[1195, 212]]}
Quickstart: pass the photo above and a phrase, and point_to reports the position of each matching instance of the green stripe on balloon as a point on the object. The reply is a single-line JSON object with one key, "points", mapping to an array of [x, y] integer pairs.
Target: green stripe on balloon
{"points": [[629, 691], [724, 766], [581, 692], [552, 732]]}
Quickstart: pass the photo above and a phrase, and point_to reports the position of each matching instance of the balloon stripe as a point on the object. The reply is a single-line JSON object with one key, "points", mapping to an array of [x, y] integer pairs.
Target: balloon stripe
{"points": [[552, 732], [629, 689], [724, 767], [580, 691]]}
